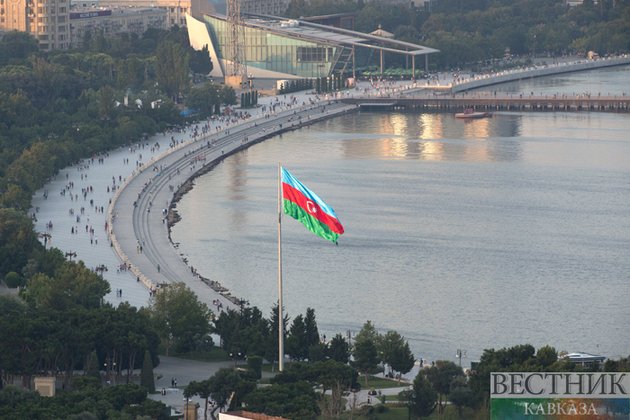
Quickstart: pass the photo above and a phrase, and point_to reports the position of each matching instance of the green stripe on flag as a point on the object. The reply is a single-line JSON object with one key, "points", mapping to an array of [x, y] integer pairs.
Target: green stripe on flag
{"points": [[311, 223]]}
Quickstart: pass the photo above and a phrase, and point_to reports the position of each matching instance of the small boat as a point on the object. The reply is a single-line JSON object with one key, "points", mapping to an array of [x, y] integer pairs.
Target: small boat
{"points": [[471, 113]]}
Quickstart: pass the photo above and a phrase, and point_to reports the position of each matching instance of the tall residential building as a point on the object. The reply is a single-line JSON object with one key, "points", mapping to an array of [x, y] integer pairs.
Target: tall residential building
{"points": [[46, 20], [176, 10], [113, 21]]}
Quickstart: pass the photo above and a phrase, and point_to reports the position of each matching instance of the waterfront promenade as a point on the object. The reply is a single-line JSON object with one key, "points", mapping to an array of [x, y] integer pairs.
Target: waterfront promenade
{"points": [[462, 84], [85, 203], [139, 213]]}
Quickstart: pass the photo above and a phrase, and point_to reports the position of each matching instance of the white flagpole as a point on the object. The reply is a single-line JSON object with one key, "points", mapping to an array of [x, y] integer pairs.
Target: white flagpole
{"points": [[280, 314]]}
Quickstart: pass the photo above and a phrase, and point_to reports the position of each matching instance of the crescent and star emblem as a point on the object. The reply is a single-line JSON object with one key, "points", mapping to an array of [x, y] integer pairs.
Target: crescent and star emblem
{"points": [[311, 207]]}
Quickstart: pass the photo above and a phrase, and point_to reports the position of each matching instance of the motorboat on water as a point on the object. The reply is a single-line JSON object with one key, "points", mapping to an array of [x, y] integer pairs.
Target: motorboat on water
{"points": [[471, 113]]}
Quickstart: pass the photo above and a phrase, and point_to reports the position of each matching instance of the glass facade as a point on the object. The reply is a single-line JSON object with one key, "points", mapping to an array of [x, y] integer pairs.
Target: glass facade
{"points": [[269, 51]]}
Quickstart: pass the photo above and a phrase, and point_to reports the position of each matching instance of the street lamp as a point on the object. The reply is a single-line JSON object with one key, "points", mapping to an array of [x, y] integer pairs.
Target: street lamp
{"points": [[100, 269], [46, 236], [106, 373], [235, 356], [460, 353], [71, 255]]}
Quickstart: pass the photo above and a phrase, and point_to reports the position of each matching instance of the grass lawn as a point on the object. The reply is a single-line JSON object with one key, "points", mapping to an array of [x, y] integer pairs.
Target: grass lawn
{"points": [[216, 354], [377, 382]]}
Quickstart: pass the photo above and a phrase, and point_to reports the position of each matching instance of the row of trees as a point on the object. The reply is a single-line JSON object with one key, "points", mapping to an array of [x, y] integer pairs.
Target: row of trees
{"points": [[249, 99], [56, 108], [249, 333], [88, 400], [320, 84]]}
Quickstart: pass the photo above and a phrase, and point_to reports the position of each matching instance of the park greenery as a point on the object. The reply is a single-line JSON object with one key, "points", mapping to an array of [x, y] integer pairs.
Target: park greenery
{"points": [[59, 107], [469, 33]]}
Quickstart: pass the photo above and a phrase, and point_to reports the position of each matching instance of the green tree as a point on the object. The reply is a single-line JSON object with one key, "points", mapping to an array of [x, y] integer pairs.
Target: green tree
{"points": [[422, 398], [295, 401], [203, 99], [244, 331], [440, 376], [461, 395], [365, 358], [172, 68], [17, 239], [106, 102], [395, 352], [368, 332], [296, 345], [339, 349], [546, 356], [228, 385], [254, 363], [201, 388], [13, 280], [336, 377], [519, 358], [16, 46], [92, 366], [311, 332], [72, 285], [146, 375], [179, 317], [402, 359], [365, 350], [200, 61], [227, 95]]}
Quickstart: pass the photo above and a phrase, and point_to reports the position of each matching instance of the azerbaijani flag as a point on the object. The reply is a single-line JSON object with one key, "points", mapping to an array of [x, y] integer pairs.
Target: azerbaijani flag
{"points": [[304, 205]]}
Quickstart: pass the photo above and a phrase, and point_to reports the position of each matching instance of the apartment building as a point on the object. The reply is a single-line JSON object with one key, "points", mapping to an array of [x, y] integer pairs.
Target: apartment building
{"points": [[46, 20], [110, 21]]}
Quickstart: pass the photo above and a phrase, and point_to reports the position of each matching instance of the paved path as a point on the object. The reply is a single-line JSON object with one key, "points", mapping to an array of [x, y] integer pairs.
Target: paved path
{"points": [[140, 234], [71, 201], [182, 372]]}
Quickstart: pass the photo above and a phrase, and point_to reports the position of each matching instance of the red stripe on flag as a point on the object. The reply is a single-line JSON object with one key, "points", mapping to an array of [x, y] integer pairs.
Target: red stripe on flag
{"points": [[311, 207]]}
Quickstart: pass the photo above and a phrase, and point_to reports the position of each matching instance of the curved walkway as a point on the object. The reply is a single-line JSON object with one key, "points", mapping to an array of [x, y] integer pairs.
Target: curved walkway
{"points": [[139, 233], [73, 199]]}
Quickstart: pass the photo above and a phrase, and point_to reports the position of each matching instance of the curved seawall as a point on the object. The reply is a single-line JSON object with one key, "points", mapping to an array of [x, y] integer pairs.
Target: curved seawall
{"points": [[480, 81], [138, 213]]}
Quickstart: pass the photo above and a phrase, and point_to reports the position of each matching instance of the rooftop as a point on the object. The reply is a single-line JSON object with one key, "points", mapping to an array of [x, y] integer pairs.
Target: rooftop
{"points": [[584, 357], [301, 29]]}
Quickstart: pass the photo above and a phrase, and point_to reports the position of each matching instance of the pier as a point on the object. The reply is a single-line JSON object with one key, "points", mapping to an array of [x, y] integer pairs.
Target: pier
{"points": [[458, 94], [490, 102], [484, 80]]}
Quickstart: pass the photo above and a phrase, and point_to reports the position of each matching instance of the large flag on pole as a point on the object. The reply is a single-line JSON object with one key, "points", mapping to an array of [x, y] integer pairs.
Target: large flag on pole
{"points": [[304, 205]]}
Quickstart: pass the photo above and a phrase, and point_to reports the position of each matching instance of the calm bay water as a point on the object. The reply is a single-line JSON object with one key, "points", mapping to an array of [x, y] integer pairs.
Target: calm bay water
{"points": [[459, 234]]}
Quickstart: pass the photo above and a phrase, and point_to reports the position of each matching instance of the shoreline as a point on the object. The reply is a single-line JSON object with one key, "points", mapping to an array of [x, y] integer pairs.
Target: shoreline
{"points": [[230, 140], [145, 271]]}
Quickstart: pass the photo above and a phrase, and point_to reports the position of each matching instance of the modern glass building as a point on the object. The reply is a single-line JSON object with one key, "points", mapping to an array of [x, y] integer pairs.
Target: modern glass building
{"points": [[280, 48]]}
